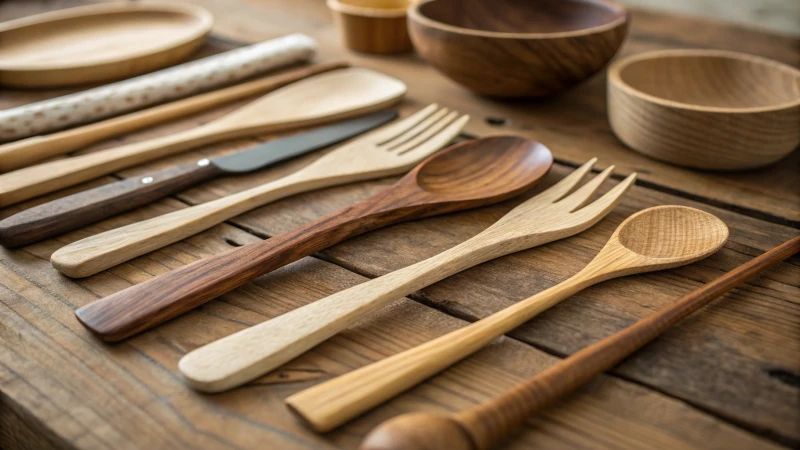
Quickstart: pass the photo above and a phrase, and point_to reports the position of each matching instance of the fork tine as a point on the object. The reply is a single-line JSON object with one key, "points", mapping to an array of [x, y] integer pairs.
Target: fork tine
{"points": [[410, 134], [602, 206], [581, 196], [432, 130], [437, 141], [566, 185], [389, 132]]}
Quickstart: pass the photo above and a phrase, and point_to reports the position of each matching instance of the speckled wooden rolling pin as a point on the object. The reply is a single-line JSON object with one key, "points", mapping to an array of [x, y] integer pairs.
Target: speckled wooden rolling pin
{"points": [[157, 87]]}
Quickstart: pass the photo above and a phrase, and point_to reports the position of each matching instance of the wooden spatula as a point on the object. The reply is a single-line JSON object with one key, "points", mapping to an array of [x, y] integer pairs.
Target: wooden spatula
{"points": [[323, 98]]}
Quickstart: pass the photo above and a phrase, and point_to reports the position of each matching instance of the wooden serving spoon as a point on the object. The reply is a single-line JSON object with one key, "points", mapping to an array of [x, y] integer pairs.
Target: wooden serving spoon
{"points": [[654, 239], [512, 408], [467, 175], [319, 99]]}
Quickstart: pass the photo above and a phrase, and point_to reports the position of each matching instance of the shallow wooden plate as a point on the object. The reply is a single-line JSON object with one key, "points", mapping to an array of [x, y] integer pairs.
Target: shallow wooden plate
{"points": [[99, 43]]}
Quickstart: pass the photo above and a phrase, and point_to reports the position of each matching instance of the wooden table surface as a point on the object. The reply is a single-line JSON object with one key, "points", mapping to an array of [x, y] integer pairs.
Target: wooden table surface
{"points": [[727, 377]]}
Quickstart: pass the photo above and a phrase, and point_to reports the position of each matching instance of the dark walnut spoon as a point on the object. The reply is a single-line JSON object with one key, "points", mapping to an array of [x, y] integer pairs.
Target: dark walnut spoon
{"points": [[466, 175]]}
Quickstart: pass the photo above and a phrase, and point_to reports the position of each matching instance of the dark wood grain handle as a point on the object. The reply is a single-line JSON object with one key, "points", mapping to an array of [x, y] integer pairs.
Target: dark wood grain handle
{"points": [[78, 210], [494, 420], [150, 303]]}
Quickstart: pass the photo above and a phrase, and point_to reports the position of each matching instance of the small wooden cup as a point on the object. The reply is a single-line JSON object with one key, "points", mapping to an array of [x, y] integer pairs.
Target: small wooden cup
{"points": [[372, 26], [706, 109]]}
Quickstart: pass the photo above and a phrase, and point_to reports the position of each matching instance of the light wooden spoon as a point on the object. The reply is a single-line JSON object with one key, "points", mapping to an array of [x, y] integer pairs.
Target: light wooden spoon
{"points": [[323, 98], [654, 239]]}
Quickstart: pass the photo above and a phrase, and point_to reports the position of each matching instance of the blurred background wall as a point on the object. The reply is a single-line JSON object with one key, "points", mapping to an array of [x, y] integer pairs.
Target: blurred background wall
{"points": [[777, 15]]}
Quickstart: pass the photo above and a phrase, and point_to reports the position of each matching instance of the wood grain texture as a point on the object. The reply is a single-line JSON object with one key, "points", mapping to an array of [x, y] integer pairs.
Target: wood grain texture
{"points": [[514, 48], [372, 26], [323, 98], [24, 152], [482, 427], [466, 175], [706, 109], [99, 43], [133, 390], [654, 239], [83, 208], [390, 150], [244, 356], [726, 377]]}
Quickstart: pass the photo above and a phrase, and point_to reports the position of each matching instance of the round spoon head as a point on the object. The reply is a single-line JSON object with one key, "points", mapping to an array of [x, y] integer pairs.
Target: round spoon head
{"points": [[663, 237], [490, 168]]}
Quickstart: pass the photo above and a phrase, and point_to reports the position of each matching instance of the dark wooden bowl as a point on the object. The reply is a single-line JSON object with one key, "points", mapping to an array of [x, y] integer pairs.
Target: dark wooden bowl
{"points": [[517, 48]]}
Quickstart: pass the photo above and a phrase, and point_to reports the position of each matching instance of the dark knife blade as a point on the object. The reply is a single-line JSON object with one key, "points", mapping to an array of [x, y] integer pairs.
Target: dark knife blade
{"points": [[84, 208], [276, 151]]}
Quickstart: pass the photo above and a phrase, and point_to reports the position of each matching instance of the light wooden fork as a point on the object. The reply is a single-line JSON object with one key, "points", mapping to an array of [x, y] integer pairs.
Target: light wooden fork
{"points": [[554, 214], [390, 150]]}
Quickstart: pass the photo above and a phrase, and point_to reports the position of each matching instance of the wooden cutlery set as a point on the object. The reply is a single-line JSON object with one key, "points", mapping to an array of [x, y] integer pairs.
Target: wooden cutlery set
{"points": [[348, 102]]}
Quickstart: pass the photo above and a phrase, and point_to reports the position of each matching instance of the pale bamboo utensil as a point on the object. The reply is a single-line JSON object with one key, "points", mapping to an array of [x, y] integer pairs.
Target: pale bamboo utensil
{"points": [[18, 154], [245, 355], [654, 239], [420, 431], [323, 98], [366, 158]]}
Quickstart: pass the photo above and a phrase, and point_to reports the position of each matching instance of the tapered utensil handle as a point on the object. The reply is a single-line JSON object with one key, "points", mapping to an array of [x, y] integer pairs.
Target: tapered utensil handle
{"points": [[494, 420], [105, 250], [33, 181], [83, 208], [330, 404], [248, 354], [24, 152]]}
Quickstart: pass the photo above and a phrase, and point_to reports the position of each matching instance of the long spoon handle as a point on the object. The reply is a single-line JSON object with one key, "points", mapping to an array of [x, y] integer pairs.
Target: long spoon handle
{"points": [[491, 421], [33, 181], [248, 354], [330, 404], [21, 153], [161, 298]]}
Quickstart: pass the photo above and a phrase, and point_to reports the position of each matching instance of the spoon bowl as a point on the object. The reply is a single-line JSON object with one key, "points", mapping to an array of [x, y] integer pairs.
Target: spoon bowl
{"points": [[661, 238], [501, 165]]}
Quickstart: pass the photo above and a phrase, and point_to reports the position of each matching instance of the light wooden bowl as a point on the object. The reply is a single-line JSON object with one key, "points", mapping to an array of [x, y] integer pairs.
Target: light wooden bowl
{"points": [[372, 26], [518, 48], [99, 43], [707, 109]]}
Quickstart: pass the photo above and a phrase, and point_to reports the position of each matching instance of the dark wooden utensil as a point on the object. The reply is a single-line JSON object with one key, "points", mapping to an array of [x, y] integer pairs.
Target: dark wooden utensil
{"points": [[86, 207], [481, 427], [467, 175]]}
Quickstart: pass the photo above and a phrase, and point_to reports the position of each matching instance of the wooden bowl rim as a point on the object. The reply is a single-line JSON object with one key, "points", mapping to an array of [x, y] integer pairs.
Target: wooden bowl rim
{"points": [[382, 13], [206, 22], [621, 20], [615, 80]]}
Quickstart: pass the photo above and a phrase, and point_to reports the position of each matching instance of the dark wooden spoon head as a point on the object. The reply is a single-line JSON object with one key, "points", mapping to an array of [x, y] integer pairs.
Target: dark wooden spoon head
{"points": [[418, 431], [489, 169]]}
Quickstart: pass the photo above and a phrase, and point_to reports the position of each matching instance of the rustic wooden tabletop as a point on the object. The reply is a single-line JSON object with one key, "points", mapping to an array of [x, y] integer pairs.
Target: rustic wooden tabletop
{"points": [[727, 377]]}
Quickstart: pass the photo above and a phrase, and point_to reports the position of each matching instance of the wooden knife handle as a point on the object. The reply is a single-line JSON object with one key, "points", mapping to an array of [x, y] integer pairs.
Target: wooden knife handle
{"points": [[148, 304], [33, 181], [83, 208]]}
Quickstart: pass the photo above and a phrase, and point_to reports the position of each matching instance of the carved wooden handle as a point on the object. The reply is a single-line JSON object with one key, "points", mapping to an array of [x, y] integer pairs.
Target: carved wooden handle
{"points": [[252, 352], [159, 299], [83, 208]]}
